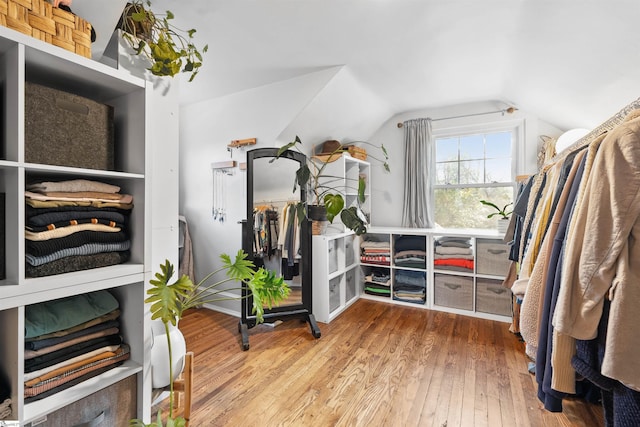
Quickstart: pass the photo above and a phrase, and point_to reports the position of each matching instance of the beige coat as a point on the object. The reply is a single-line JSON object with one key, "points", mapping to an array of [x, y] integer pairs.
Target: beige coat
{"points": [[602, 258]]}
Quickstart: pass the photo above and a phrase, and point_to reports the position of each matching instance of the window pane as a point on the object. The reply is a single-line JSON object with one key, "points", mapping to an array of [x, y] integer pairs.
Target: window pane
{"points": [[471, 172], [461, 208], [498, 145], [446, 149], [472, 147], [447, 173], [498, 170]]}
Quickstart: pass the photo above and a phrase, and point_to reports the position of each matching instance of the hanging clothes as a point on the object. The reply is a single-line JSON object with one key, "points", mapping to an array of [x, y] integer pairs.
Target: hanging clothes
{"points": [[579, 271], [551, 398], [603, 253], [265, 231]]}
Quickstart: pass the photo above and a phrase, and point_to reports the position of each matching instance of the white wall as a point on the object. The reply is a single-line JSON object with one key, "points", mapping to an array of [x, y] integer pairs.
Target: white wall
{"points": [[205, 130], [387, 188], [344, 110]]}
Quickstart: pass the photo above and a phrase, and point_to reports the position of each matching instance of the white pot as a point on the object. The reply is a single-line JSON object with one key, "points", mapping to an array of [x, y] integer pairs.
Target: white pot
{"points": [[160, 353], [503, 224], [119, 54]]}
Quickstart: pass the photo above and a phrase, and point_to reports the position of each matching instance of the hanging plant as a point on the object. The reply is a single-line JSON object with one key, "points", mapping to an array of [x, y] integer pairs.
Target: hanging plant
{"points": [[169, 49]]}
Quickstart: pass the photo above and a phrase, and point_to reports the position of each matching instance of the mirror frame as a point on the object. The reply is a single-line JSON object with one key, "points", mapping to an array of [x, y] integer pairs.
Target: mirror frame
{"points": [[304, 309]]}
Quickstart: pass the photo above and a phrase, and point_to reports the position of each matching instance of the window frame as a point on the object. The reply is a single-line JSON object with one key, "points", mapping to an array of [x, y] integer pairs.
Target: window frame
{"points": [[516, 127]]}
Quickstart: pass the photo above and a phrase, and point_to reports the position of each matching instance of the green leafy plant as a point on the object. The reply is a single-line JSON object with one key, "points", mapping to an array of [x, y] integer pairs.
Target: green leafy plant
{"points": [[169, 301], [169, 49], [311, 176], [502, 213]]}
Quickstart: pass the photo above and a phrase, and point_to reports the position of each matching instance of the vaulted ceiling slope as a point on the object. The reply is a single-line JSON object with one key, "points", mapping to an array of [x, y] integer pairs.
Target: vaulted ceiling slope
{"points": [[571, 63]]}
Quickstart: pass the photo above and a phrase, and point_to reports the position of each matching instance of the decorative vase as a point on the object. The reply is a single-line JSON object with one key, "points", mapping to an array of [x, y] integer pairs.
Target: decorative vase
{"points": [[160, 353]]}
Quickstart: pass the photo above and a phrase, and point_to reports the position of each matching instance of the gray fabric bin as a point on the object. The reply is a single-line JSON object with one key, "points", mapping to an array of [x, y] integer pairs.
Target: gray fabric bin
{"points": [[64, 129], [493, 298], [114, 406], [453, 291], [492, 257]]}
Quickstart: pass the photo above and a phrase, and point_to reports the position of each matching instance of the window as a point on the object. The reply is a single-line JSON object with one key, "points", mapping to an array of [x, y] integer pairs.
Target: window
{"points": [[469, 168]]}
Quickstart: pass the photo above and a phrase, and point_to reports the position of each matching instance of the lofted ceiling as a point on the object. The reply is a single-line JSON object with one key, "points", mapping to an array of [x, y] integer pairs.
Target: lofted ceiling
{"points": [[573, 64]]}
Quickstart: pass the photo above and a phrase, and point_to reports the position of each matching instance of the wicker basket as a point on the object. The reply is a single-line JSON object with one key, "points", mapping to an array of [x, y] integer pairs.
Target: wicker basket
{"points": [[357, 152], [39, 19], [318, 228]]}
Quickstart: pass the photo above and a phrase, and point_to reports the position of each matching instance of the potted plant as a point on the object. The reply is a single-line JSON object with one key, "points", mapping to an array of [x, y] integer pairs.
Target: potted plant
{"points": [[169, 49], [327, 201], [503, 214], [169, 301]]}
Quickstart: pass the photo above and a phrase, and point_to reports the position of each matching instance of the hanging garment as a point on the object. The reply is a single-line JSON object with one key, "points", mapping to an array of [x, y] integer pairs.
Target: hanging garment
{"points": [[621, 404]]}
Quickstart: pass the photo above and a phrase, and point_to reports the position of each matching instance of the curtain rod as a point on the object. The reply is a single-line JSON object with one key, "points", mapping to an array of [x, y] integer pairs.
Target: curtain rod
{"points": [[508, 110]]}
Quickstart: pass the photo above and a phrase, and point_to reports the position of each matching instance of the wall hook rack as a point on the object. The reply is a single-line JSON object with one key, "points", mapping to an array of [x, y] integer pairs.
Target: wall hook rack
{"points": [[237, 143]]}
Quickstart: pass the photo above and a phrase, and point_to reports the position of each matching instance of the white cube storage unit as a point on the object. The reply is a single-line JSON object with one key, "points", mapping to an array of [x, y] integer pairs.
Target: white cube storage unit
{"points": [[463, 270], [335, 274]]}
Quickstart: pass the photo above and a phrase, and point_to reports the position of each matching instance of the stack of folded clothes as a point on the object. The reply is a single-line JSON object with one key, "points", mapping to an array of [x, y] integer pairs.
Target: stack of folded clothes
{"points": [[372, 252], [410, 251], [453, 253], [5, 399], [75, 225], [378, 282], [410, 286], [70, 340]]}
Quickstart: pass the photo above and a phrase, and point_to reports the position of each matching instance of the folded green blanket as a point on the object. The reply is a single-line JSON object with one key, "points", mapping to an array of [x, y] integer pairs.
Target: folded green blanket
{"points": [[46, 317]]}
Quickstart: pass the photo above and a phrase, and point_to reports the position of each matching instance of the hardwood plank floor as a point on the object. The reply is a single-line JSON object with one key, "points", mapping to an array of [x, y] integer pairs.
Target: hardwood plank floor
{"points": [[377, 364]]}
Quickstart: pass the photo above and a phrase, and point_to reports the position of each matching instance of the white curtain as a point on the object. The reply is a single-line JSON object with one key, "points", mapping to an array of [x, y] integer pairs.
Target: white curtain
{"points": [[417, 179]]}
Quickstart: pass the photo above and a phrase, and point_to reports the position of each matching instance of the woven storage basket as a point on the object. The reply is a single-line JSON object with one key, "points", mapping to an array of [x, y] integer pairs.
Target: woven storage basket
{"points": [[357, 152], [318, 228], [39, 19]]}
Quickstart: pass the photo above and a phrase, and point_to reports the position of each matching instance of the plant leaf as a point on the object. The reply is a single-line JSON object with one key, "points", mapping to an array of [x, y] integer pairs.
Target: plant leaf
{"points": [[362, 185], [240, 269], [303, 174], [351, 219], [493, 205], [267, 289], [384, 151], [287, 146], [334, 204], [166, 299]]}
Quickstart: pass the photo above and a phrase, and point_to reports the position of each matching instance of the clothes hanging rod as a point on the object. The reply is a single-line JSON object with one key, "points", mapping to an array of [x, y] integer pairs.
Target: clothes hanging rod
{"points": [[508, 110]]}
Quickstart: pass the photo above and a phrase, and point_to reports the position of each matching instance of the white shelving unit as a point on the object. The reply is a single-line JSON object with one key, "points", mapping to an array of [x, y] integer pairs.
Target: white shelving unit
{"points": [[336, 284], [343, 174], [22, 59], [476, 292]]}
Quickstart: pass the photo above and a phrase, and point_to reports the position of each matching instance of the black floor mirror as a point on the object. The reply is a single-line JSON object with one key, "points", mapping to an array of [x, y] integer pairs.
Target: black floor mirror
{"points": [[275, 238]]}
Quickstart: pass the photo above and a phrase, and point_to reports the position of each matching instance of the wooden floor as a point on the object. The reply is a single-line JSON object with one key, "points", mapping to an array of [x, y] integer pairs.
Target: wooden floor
{"points": [[377, 364]]}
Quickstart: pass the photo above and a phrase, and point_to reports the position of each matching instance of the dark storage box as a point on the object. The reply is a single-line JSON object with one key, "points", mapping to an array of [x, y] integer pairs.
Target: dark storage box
{"points": [[64, 129]]}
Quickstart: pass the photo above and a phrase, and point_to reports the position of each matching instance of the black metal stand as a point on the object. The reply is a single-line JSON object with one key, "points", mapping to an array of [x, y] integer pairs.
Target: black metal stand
{"points": [[245, 324]]}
